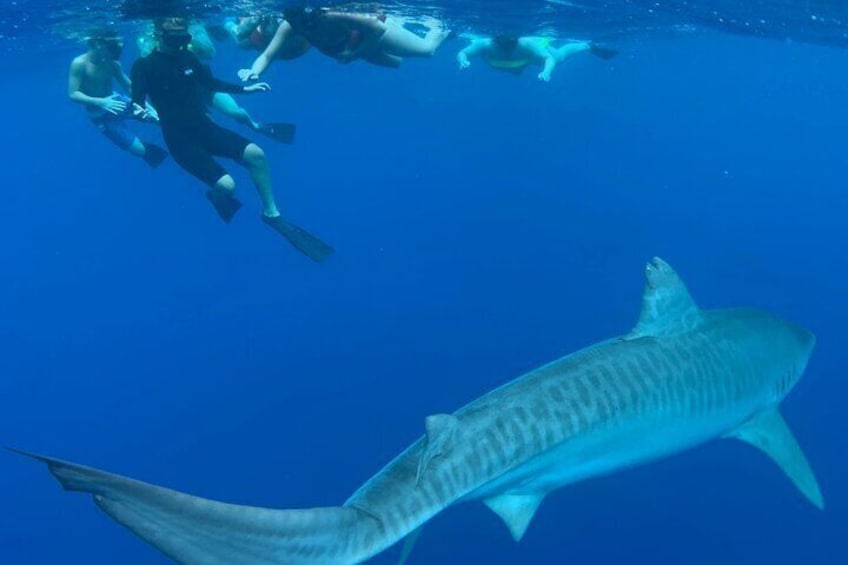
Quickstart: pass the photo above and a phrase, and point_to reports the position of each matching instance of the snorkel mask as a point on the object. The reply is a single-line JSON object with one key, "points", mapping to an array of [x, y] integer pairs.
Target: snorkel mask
{"points": [[113, 47], [107, 42], [173, 33], [176, 41]]}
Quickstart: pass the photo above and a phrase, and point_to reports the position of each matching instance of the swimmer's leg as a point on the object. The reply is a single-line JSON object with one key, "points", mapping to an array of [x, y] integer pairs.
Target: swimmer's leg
{"points": [[136, 148], [569, 50], [221, 196], [118, 133], [254, 159], [573, 48], [399, 41], [151, 153], [228, 106]]}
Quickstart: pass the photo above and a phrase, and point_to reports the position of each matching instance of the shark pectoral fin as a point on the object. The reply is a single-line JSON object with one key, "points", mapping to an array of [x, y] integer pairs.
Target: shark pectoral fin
{"points": [[409, 543], [516, 510], [769, 432], [441, 429]]}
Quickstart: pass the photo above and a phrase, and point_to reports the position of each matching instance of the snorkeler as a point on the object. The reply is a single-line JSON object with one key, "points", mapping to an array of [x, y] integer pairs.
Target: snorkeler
{"points": [[176, 82], [90, 83], [255, 33], [513, 54], [346, 37], [201, 45]]}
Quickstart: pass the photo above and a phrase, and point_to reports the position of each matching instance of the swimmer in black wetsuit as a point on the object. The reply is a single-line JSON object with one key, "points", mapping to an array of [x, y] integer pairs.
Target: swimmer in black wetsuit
{"points": [[176, 82]]}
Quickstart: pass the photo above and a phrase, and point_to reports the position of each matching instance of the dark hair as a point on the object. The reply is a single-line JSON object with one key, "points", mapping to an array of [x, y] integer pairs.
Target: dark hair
{"points": [[294, 13], [507, 42], [99, 36], [303, 17]]}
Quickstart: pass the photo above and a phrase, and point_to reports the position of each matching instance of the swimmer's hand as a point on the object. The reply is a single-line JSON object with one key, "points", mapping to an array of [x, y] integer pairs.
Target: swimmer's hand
{"points": [[258, 87], [113, 104], [246, 75], [152, 113], [464, 63], [545, 76], [142, 114]]}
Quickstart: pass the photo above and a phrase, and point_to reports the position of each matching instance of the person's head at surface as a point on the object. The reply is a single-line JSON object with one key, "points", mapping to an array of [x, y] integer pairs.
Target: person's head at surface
{"points": [[106, 44], [506, 43], [172, 33]]}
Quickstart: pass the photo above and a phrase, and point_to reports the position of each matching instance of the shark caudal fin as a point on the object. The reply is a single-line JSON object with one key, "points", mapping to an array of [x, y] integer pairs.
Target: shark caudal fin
{"points": [[195, 530]]}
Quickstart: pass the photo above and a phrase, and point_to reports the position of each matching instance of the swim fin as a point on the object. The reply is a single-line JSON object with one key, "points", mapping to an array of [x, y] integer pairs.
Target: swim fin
{"points": [[225, 203], [282, 132], [153, 154], [301, 239], [602, 52]]}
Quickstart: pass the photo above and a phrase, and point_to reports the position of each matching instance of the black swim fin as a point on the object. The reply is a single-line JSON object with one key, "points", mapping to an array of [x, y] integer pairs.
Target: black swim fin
{"points": [[602, 52], [153, 154], [282, 132], [301, 239], [225, 203]]}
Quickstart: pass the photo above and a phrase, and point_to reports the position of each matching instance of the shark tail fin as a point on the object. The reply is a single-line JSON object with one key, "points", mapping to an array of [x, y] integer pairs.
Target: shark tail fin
{"points": [[190, 529]]}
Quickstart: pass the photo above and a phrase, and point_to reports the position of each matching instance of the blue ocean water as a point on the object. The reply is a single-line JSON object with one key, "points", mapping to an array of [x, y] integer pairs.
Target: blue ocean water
{"points": [[484, 223]]}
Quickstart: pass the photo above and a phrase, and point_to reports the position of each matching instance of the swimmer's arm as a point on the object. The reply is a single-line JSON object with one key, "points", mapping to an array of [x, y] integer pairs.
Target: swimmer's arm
{"points": [[474, 48], [75, 76], [120, 76], [263, 61], [212, 84], [550, 65], [540, 51]]}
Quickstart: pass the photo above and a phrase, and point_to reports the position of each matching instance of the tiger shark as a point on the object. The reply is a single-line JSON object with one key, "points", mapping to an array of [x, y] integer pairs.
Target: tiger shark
{"points": [[681, 377]]}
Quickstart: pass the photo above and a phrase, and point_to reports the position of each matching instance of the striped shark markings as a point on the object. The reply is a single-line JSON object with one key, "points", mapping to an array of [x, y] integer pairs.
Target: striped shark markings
{"points": [[683, 376]]}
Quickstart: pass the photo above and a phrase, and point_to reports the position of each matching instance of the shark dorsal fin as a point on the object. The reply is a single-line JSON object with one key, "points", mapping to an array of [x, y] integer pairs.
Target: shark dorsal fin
{"points": [[440, 429], [516, 510], [768, 432], [666, 303]]}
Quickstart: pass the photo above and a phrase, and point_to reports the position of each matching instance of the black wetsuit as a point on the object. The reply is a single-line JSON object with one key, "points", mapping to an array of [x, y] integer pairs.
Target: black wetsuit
{"points": [[178, 86]]}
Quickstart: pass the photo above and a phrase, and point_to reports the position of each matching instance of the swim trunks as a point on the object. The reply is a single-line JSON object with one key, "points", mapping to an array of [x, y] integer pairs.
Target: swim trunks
{"points": [[114, 126], [193, 149]]}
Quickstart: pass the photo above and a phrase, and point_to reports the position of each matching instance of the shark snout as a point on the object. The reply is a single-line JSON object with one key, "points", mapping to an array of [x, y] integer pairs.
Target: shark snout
{"points": [[805, 339]]}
